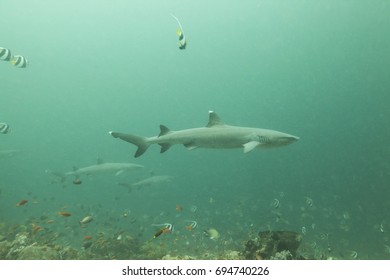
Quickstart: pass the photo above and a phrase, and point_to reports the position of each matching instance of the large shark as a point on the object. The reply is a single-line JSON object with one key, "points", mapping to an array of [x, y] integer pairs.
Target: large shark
{"points": [[215, 135]]}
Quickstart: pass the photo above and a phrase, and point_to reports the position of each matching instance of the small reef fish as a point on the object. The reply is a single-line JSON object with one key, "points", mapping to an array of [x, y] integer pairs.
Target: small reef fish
{"points": [[161, 231], [87, 244], [353, 255], [86, 220], [167, 228], [22, 202], [308, 201], [211, 233], [35, 228], [180, 33], [179, 208], [64, 214], [5, 54], [193, 225], [4, 128], [19, 61], [275, 203], [87, 237]]}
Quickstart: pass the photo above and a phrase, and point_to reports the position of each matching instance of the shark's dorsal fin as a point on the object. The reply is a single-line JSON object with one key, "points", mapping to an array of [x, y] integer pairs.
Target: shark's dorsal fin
{"points": [[163, 130], [214, 119]]}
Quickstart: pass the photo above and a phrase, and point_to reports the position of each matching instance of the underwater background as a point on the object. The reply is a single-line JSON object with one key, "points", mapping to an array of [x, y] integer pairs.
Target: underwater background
{"points": [[315, 69]]}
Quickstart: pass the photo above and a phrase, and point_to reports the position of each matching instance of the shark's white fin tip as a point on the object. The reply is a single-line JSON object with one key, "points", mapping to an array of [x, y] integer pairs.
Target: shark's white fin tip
{"points": [[214, 119]]}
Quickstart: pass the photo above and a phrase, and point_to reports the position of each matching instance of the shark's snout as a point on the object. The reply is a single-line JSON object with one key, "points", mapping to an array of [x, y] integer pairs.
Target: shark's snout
{"points": [[286, 140]]}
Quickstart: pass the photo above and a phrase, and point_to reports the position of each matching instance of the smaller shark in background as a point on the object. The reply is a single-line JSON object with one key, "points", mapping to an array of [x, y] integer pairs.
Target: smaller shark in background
{"points": [[104, 167], [152, 180], [8, 153], [216, 135], [156, 179]]}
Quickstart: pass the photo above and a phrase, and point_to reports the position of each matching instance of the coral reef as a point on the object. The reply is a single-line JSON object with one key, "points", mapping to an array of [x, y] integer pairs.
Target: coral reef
{"points": [[273, 245], [18, 243]]}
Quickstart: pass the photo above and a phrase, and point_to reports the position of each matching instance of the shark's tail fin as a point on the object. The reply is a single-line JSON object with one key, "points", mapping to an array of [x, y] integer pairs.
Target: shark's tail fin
{"points": [[139, 141]]}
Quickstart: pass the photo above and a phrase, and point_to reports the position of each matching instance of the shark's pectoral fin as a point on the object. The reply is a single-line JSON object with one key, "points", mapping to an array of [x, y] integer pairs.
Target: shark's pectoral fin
{"points": [[119, 172], [164, 147], [190, 146], [250, 146]]}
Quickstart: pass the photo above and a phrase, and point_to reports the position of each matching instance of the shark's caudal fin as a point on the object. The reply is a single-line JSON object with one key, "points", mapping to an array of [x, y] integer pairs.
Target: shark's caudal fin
{"points": [[139, 141]]}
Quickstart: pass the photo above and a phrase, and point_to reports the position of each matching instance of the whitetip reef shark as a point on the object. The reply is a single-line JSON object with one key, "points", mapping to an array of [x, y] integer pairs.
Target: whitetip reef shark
{"points": [[153, 180], [104, 167], [156, 179], [216, 135]]}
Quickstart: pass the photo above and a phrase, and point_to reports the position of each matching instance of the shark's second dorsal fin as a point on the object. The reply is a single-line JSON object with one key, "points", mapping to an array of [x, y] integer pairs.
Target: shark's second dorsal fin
{"points": [[214, 119], [163, 130]]}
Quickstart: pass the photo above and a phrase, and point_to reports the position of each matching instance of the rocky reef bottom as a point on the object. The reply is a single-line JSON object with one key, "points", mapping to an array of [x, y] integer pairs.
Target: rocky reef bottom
{"points": [[276, 245], [273, 245]]}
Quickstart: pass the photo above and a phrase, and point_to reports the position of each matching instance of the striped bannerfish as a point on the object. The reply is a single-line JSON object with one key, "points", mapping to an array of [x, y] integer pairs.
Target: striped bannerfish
{"points": [[4, 128], [5, 54], [19, 61], [180, 33]]}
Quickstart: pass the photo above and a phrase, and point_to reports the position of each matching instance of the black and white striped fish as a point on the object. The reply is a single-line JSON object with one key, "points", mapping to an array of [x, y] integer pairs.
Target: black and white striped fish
{"points": [[5, 54], [182, 38], [19, 61], [4, 128]]}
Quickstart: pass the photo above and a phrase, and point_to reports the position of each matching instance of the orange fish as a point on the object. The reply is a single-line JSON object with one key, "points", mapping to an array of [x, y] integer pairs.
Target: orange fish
{"points": [[22, 202], [162, 231], [35, 228], [64, 214], [87, 237], [179, 208], [190, 227]]}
